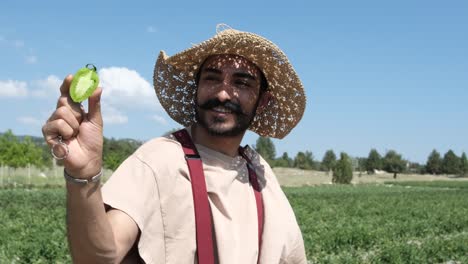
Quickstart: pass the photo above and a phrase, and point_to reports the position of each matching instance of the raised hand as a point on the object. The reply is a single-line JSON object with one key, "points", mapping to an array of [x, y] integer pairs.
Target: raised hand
{"points": [[81, 131]]}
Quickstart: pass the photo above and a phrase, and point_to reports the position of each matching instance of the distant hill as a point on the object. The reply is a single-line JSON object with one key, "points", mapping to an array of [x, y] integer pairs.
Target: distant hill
{"points": [[40, 140], [36, 140]]}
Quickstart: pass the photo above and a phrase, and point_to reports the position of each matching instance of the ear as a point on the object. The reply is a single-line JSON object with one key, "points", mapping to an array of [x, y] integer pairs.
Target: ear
{"points": [[265, 98]]}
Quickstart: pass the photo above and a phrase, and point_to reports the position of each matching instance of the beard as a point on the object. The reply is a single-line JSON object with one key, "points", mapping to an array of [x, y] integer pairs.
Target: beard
{"points": [[218, 126]]}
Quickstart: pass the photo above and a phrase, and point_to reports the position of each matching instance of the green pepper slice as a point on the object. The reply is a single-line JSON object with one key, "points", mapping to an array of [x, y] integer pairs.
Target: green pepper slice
{"points": [[84, 82]]}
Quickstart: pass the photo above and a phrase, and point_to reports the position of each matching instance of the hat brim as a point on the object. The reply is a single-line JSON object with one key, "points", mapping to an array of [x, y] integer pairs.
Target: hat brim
{"points": [[174, 81]]}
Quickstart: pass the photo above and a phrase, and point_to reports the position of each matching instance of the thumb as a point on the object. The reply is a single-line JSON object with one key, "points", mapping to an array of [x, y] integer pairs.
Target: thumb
{"points": [[94, 107]]}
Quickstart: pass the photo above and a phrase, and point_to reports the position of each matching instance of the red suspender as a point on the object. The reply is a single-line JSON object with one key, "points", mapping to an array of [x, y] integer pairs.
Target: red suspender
{"points": [[203, 223], [258, 198]]}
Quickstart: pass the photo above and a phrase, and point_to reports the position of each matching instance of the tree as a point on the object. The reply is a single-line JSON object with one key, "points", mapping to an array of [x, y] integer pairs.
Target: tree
{"points": [[31, 153], [21, 151], [46, 157], [343, 171], [7, 141], [463, 165], [393, 163], [16, 154], [374, 161], [265, 147], [329, 161], [311, 160], [285, 161], [434, 163], [116, 151], [300, 160], [304, 161], [451, 163], [361, 165], [415, 167], [11, 150]]}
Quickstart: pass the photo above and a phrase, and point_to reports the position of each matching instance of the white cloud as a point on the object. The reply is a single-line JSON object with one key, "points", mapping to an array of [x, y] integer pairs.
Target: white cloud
{"points": [[151, 29], [18, 43], [13, 88], [125, 88], [31, 59], [112, 115], [48, 87], [21, 48], [159, 119], [28, 120]]}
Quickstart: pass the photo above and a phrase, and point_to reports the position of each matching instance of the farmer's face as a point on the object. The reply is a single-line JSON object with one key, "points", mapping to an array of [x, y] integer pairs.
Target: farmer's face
{"points": [[228, 94]]}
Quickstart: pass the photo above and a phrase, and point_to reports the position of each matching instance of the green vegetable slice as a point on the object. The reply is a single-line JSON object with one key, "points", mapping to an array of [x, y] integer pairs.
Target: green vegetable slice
{"points": [[84, 82]]}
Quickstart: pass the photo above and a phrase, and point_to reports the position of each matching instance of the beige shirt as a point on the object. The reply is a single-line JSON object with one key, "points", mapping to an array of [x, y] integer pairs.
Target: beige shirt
{"points": [[153, 187]]}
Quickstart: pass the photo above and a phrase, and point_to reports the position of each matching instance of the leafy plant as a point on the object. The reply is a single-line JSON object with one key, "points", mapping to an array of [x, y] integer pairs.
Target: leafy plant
{"points": [[343, 171]]}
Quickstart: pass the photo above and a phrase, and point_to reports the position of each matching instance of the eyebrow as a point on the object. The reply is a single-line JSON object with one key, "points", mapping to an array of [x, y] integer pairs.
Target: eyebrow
{"points": [[212, 70], [237, 74], [245, 75]]}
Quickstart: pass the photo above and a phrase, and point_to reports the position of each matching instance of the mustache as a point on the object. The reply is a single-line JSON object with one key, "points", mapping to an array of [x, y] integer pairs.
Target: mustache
{"points": [[212, 103]]}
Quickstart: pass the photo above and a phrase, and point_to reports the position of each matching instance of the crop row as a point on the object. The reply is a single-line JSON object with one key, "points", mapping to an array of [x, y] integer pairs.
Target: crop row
{"points": [[382, 224], [340, 224]]}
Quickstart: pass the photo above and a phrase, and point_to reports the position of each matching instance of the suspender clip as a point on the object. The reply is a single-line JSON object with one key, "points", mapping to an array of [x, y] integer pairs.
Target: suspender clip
{"points": [[192, 156]]}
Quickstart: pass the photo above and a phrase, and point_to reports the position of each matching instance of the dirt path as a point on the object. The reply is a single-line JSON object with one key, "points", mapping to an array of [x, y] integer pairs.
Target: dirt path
{"points": [[296, 177]]}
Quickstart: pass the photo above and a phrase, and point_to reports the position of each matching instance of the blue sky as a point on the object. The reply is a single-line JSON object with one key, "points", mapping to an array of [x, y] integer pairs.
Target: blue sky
{"points": [[378, 74]]}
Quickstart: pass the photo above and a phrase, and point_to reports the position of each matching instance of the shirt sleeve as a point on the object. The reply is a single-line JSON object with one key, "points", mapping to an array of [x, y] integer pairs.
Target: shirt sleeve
{"points": [[132, 189], [297, 255]]}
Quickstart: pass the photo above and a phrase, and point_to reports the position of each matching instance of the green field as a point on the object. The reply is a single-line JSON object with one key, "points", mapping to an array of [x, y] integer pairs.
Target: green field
{"points": [[407, 222], [33, 226], [413, 223]]}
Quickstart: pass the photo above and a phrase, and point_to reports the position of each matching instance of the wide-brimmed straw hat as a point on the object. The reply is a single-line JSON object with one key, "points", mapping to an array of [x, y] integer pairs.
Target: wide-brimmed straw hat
{"points": [[174, 80]]}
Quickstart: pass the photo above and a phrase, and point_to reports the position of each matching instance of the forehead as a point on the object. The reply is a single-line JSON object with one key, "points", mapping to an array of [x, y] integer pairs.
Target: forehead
{"points": [[230, 61]]}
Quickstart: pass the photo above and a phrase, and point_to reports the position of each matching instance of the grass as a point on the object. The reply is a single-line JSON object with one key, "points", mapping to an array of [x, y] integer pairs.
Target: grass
{"points": [[382, 224], [396, 222], [434, 184], [33, 226]]}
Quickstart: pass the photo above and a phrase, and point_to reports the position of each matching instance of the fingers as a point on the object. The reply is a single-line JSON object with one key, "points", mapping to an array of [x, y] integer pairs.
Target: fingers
{"points": [[66, 114], [53, 129], [61, 123], [94, 107], [69, 115], [65, 87], [65, 99]]}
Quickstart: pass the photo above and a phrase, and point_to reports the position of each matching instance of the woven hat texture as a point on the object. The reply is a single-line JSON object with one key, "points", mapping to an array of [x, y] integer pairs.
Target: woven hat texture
{"points": [[174, 80]]}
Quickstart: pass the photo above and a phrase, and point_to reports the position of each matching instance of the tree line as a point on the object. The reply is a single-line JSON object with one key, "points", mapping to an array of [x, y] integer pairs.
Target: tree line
{"points": [[18, 151], [391, 162]]}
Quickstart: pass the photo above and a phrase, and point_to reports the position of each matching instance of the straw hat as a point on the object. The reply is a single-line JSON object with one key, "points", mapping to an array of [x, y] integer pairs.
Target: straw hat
{"points": [[174, 80]]}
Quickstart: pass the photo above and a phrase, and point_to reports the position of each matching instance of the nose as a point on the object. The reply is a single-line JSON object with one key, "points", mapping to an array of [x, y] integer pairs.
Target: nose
{"points": [[223, 95], [225, 91]]}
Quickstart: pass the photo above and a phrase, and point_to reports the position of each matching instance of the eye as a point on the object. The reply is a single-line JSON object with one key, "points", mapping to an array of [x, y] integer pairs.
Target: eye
{"points": [[210, 78], [242, 83]]}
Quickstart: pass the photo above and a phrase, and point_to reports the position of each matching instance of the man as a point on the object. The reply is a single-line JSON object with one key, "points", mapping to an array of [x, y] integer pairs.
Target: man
{"points": [[150, 208]]}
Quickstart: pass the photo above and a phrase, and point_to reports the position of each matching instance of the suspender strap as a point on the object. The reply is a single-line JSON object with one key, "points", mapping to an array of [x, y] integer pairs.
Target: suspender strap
{"points": [[203, 223], [258, 198]]}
